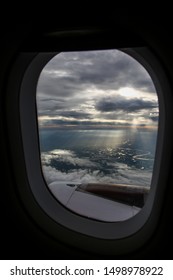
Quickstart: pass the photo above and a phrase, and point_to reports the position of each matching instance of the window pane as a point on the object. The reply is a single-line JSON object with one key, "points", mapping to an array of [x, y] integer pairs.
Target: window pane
{"points": [[98, 118]]}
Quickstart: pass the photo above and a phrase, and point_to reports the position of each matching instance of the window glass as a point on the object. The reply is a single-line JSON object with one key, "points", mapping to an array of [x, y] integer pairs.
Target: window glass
{"points": [[98, 119]]}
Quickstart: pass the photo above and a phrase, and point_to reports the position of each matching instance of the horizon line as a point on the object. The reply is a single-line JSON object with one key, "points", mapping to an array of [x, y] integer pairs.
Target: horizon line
{"points": [[71, 127]]}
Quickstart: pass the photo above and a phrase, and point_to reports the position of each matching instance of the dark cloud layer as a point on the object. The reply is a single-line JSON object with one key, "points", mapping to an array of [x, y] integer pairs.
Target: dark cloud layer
{"points": [[75, 115], [64, 123], [123, 104], [84, 86], [154, 118], [105, 70]]}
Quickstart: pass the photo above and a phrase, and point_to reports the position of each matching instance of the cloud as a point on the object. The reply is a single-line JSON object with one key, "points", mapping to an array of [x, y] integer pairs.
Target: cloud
{"points": [[85, 85], [154, 118], [124, 176], [71, 124], [75, 114], [105, 70], [69, 73], [120, 103], [66, 157], [66, 165], [49, 106]]}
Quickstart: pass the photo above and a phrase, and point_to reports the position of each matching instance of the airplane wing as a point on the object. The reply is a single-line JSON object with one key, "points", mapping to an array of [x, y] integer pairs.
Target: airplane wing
{"points": [[75, 197]]}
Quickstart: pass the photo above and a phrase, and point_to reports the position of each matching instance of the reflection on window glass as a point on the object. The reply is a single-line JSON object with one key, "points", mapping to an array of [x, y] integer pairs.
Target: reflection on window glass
{"points": [[98, 118]]}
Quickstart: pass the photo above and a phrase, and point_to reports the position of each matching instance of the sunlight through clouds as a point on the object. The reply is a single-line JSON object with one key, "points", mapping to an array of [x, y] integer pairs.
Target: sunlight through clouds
{"points": [[92, 88]]}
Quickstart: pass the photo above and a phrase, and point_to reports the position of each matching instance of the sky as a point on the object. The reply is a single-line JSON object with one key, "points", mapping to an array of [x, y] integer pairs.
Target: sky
{"points": [[96, 90]]}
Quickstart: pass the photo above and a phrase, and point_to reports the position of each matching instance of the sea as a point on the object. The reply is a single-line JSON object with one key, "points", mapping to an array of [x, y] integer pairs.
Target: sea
{"points": [[113, 156]]}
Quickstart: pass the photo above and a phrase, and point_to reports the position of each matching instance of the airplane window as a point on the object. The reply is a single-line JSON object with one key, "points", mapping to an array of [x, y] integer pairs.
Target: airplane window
{"points": [[97, 119]]}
